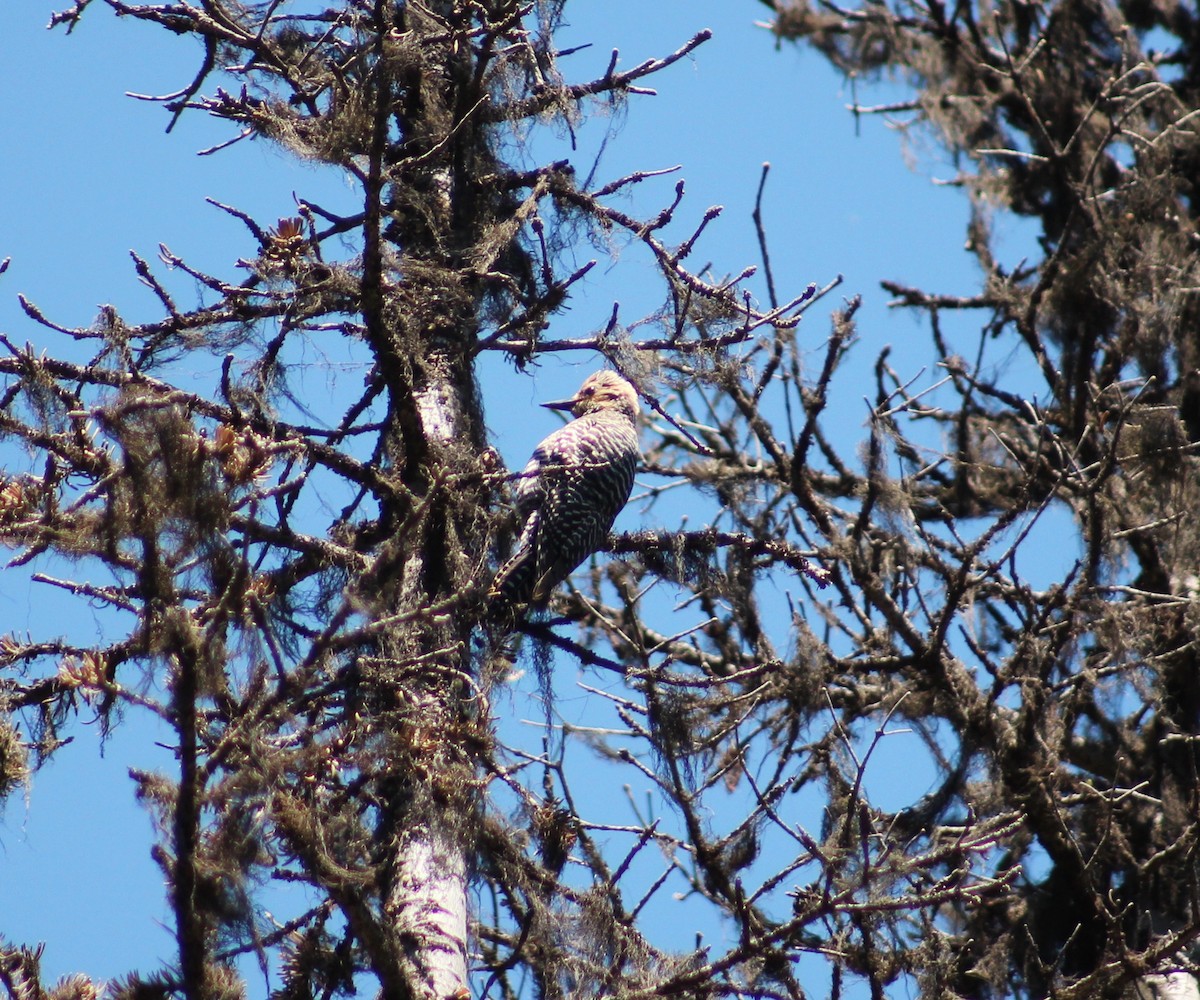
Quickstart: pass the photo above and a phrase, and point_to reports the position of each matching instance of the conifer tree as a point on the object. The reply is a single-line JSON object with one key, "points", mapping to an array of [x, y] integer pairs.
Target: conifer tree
{"points": [[1079, 119]]}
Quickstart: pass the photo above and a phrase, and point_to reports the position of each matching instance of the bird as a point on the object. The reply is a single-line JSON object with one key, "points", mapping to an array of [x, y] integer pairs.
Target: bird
{"points": [[572, 490]]}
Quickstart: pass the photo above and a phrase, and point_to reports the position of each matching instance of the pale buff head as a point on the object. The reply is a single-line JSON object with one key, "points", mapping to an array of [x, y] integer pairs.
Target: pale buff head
{"points": [[602, 390]]}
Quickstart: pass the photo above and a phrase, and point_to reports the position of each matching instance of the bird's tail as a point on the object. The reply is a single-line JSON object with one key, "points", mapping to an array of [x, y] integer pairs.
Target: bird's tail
{"points": [[516, 580]]}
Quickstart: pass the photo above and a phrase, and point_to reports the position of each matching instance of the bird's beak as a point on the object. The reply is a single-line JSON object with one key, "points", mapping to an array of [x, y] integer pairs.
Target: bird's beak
{"points": [[561, 404]]}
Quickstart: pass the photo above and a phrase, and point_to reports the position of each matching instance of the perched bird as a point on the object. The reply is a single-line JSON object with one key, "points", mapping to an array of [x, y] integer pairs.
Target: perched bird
{"points": [[571, 491]]}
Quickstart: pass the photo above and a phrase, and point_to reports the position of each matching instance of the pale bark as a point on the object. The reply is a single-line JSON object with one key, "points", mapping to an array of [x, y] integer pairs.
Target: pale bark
{"points": [[429, 908], [1176, 985]]}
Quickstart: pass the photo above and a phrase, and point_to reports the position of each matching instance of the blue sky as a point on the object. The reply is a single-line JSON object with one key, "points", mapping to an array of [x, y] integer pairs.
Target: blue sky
{"points": [[88, 175]]}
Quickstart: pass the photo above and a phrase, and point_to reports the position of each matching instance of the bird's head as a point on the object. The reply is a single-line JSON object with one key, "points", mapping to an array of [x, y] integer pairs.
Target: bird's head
{"points": [[602, 390]]}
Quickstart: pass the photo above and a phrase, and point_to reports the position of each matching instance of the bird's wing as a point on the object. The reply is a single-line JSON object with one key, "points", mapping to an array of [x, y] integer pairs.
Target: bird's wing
{"points": [[531, 485]]}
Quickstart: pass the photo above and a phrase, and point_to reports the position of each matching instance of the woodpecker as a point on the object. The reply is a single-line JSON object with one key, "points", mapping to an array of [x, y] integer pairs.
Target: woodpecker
{"points": [[571, 491]]}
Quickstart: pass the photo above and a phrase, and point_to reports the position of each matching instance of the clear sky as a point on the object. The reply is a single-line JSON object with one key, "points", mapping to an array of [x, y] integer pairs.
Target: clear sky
{"points": [[87, 175]]}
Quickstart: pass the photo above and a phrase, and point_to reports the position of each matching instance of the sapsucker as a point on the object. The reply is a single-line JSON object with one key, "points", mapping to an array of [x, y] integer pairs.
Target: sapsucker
{"points": [[571, 491]]}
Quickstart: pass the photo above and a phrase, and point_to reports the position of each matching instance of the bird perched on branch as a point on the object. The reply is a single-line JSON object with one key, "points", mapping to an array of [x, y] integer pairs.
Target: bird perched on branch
{"points": [[571, 491]]}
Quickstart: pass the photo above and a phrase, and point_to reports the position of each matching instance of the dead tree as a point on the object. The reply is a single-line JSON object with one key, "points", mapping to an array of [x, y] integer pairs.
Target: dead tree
{"points": [[1079, 118]]}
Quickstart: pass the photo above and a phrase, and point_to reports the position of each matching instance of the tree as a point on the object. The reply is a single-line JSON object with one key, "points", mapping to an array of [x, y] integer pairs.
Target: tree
{"points": [[302, 597], [327, 689], [1083, 714]]}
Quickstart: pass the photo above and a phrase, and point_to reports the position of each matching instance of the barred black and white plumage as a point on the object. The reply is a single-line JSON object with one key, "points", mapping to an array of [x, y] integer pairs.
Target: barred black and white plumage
{"points": [[573, 488]]}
